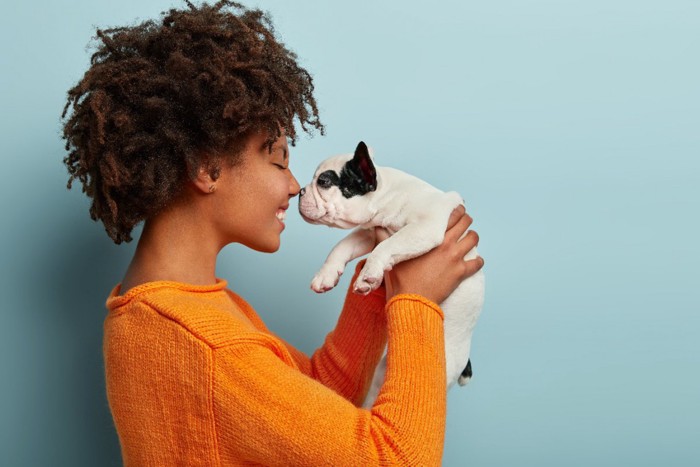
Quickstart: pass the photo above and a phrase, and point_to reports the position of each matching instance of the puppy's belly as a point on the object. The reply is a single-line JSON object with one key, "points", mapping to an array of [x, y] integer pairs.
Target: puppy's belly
{"points": [[461, 309]]}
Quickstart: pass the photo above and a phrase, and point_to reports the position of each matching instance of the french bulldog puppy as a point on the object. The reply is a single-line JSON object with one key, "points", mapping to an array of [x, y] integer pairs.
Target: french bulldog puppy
{"points": [[349, 191]]}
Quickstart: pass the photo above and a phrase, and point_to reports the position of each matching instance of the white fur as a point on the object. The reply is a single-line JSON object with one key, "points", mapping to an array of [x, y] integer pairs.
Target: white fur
{"points": [[416, 215]]}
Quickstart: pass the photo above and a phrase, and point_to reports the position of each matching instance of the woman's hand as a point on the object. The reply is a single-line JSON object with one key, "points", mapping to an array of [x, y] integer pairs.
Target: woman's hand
{"points": [[438, 272]]}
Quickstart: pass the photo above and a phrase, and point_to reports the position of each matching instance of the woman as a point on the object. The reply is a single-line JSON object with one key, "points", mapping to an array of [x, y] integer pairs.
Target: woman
{"points": [[184, 124]]}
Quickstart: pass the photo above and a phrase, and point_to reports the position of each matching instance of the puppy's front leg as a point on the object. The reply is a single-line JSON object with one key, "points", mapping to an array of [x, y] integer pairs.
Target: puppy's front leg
{"points": [[358, 243], [410, 241]]}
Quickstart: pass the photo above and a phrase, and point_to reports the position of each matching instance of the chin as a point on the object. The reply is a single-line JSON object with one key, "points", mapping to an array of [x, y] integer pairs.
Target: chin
{"points": [[268, 247], [341, 224]]}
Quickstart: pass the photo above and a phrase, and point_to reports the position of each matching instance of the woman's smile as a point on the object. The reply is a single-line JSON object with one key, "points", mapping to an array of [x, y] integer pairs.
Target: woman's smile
{"points": [[282, 214]]}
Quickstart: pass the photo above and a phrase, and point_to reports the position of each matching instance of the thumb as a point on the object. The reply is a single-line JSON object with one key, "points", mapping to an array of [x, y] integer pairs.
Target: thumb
{"points": [[381, 234], [388, 285]]}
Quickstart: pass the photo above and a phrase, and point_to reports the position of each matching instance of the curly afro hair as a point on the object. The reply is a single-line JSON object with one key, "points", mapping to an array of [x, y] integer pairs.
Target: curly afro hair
{"points": [[160, 98]]}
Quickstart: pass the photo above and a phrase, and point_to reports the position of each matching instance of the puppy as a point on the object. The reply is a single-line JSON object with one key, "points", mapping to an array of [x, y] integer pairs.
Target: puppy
{"points": [[349, 191]]}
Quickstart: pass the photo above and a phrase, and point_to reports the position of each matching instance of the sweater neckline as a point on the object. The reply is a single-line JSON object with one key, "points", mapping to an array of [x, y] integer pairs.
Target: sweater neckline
{"points": [[115, 298]]}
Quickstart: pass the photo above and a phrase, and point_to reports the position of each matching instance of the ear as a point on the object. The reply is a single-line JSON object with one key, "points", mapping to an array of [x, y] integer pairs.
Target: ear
{"points": [[362, 165], [370, 151], [207, 175]]}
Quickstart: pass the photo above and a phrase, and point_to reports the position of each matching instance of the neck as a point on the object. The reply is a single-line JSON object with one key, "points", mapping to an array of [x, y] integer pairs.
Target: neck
{"points": [[175, 245]]}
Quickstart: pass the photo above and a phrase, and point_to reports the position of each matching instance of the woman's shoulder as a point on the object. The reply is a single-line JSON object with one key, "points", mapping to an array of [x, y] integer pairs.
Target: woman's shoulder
{"points": [[208, 312]]}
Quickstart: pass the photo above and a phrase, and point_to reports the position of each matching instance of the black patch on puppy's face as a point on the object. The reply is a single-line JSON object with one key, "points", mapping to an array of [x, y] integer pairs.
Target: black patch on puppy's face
{"points": [[357, 177], [328, 179]]}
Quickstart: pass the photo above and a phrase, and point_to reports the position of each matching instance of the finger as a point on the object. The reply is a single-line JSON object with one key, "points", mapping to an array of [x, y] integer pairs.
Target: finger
{"points": [[469, 241], [381, 234], [388, 284], [473, 266], [457, 230], [456, 214]]}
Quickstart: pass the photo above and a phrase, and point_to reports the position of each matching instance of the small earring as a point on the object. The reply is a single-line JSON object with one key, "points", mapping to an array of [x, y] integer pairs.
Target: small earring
{"points": [[212, 188]]}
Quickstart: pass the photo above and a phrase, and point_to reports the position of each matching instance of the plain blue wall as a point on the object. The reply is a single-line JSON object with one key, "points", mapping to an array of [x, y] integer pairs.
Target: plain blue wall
{"points": [[570, 127]]}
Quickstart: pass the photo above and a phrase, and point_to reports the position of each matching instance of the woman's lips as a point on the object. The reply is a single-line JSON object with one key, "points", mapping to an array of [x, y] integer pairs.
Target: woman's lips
{"points": [[281, 213]]}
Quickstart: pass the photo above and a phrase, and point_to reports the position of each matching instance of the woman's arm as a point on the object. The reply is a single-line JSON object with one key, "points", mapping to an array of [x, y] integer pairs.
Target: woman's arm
{"points": [[268, 412], [346, 361]]}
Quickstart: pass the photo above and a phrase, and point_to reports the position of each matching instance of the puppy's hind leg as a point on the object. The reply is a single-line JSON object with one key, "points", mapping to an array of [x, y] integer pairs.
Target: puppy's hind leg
{"points": [[466, 374], [358, 243]]}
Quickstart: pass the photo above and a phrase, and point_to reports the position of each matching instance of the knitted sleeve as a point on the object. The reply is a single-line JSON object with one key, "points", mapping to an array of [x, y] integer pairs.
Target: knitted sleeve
{"points": [[350, 353], [267, 412]]}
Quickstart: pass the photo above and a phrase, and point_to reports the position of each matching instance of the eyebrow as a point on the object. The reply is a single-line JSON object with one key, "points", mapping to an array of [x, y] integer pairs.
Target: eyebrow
{"points": [[285, 152]]}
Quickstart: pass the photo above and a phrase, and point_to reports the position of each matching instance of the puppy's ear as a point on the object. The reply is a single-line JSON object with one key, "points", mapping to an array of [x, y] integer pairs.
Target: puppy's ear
{"points": [[361, 165]]}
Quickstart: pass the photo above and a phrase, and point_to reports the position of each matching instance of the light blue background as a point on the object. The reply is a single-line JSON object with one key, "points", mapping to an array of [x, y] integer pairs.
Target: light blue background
{"points": [[570, 127]]}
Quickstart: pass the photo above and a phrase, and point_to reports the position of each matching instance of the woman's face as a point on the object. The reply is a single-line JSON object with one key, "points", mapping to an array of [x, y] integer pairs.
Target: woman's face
{"points": [[252, 197]]}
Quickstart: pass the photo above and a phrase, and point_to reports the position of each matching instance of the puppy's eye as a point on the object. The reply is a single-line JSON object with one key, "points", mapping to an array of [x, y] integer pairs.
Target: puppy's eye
{"points": [[327, 179]]}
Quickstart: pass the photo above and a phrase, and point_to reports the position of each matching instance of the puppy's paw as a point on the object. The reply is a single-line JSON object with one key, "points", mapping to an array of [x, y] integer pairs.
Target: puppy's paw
{"points": [[466, 375], [326, 279], [369, 279]]}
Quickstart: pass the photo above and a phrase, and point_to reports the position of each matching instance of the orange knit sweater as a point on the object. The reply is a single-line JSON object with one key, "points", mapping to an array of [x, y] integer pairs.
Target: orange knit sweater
{"points": [[195, 378]]}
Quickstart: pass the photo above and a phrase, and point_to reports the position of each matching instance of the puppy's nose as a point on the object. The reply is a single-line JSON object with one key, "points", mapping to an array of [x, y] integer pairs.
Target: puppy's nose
{"points": [[302, 191]]}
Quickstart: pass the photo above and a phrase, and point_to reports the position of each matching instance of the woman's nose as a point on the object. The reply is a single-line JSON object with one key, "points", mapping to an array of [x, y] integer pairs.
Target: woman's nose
{"points": [[294, 187]]}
